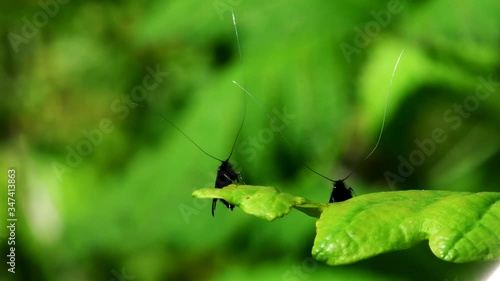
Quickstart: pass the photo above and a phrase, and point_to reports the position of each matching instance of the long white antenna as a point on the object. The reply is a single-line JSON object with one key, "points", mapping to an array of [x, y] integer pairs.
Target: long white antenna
{"points": [[383, 119], [238, 41], [280, 131], [379, 136], [245, 98], [244, 110]]}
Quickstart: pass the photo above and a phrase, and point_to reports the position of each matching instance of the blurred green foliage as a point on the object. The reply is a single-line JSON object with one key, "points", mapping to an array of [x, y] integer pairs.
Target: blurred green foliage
{"points": [[119, 209]]}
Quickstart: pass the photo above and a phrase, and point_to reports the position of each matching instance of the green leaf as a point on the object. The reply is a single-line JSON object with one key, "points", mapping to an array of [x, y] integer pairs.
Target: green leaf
{"points": [[262, 201], [312, 209], [460, 227]]}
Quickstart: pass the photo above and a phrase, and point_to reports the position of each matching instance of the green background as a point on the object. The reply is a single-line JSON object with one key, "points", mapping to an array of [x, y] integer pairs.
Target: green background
{"points": [[127, 205]]}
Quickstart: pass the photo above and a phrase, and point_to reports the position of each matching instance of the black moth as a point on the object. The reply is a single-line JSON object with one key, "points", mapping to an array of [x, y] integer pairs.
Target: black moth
{"points": [[340, 192], [226, 175]]}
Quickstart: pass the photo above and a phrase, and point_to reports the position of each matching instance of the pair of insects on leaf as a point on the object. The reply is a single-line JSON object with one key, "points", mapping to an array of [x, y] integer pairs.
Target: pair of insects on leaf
{"points": [[226, 175]]}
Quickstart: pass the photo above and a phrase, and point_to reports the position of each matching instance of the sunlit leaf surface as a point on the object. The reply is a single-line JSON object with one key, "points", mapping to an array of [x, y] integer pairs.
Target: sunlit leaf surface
{"points": [[262, 201], [460, 226]]}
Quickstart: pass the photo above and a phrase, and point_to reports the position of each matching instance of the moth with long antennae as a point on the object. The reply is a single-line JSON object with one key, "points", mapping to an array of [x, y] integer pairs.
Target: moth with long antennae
{"points": [[340, 192], [226, 175]]}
